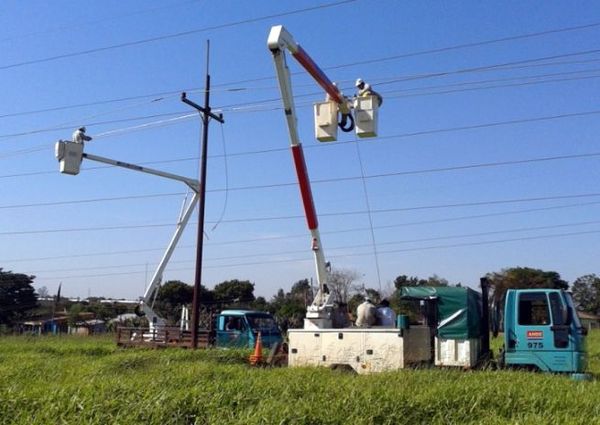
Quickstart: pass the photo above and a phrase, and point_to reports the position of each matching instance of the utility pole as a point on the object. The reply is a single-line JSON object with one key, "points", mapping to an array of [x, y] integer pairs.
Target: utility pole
{"points": [[205, 114]]}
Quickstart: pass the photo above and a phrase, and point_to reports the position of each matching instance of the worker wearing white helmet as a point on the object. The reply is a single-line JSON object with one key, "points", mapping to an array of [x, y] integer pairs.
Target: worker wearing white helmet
{"points": [[79, 136], [364, 89]]}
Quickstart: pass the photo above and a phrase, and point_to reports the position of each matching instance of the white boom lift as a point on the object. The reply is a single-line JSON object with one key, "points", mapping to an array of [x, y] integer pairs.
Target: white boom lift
{"points": [[70, 155], [319, 313]]}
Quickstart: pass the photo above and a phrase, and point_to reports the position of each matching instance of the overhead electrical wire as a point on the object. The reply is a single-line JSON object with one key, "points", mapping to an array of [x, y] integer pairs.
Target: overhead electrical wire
{"points": [[316, 181], [331, 214], [172, 36], [375, 60], [303, 235], [237, 108], [362, 254], [87, 24], [346, 247]]}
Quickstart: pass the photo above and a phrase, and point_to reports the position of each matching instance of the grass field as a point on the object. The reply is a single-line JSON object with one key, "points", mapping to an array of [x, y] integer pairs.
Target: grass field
{"points": [[78, 380]]}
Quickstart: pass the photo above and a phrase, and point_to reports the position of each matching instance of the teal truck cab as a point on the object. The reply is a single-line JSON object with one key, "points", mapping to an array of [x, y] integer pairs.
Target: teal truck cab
{"points": [[240, 328], [542, 331]]}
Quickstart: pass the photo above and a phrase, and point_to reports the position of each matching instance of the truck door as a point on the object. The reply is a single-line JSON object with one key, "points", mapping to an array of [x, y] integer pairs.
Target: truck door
{"points": [[542, 335], [232, 332]]}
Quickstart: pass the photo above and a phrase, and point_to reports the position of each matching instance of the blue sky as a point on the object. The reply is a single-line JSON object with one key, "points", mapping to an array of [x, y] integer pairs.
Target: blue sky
{"points": [[521, 99]]}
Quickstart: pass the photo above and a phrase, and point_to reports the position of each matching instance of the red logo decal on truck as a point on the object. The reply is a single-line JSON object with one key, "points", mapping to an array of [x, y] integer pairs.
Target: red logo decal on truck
{"points": [[535, 334]]}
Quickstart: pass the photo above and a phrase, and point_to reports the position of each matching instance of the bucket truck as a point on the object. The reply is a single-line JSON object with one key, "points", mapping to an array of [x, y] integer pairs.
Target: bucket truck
{"points": [[541, 326], [71, 154], [320, 313]]}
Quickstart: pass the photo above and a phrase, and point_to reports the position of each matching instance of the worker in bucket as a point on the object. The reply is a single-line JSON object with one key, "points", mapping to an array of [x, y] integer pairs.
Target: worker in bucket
{"points": [[364, 89], [386, 317], [366, 314], [79, 136]]}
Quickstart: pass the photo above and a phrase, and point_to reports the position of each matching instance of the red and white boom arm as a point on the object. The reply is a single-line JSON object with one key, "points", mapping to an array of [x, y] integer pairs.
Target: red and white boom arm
{"points": [[279, 40]]}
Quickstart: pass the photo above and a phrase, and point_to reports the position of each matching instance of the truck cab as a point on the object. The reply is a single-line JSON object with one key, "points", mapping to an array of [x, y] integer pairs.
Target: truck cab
{"points": [[542, 331], [240, 328]]}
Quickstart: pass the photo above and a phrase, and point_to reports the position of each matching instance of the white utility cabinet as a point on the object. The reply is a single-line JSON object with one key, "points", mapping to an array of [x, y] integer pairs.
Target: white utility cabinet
{"points": [[457, 352], [366, 115], [326, 125], [366, 350], [69, 155]]}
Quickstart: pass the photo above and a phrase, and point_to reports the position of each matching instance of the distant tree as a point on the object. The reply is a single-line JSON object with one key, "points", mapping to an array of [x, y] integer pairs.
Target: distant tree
{"points": [[354, 301], [373, 294], [234, 291], [586, 293], [260, 303], [74, 311], [42, 292], [302, 292], [171, 297], [17, 297], [288, 308], [342, 284], [523, 278], [435, 280], [403, 280]]}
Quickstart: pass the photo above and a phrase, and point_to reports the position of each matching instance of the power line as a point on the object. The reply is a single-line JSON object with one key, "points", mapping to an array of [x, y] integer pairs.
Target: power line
{"points": [[87, 24], [375, 60], [271, 254], [468, 45], [393, 251], [88, 201], [224, 108], [401, 135], [332, 214], [318, 181], [303, 235], [172, 36]]}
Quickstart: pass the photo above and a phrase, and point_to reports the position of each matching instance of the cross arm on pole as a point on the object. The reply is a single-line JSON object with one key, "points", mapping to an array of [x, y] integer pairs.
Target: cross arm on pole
{"points": [[205, 111]]}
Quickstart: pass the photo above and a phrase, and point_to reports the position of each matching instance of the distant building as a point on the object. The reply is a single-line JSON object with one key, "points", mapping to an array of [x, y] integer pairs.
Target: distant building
{"points": [[588, 320], [88, 327], [41, 326]]}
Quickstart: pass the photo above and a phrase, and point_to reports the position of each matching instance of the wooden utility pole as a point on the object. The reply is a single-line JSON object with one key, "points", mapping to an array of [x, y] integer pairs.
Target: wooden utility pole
{"points": [[205, 114]]}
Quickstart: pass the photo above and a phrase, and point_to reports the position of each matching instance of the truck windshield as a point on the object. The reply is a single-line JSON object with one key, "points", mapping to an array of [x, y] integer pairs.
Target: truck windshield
{"points": [[576, 321], [262, 324]]}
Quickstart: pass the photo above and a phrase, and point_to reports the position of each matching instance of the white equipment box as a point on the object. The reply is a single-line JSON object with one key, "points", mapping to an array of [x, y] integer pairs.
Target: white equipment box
{"points": [[365, 350], [366, 115], [69, 155], [326, 125], [456, 352]]}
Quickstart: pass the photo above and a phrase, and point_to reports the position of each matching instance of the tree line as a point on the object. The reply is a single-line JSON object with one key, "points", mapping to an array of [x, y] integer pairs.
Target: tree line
{"points": [[19, 300]]}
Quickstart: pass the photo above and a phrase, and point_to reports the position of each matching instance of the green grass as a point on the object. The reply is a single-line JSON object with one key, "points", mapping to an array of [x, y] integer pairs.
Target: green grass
{"points": [[75, 380]]}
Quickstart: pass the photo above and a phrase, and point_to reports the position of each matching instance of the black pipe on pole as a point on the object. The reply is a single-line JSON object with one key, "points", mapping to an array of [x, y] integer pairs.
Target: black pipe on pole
{"points": [[205, 114], [485, 318]]}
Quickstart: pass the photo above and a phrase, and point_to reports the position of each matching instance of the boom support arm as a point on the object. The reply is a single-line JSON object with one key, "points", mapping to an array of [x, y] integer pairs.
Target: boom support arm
{"points": [[70, 156], [319, 313]]}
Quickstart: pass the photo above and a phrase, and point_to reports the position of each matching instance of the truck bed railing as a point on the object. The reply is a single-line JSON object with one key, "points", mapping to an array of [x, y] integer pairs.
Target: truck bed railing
{"points": [[164, 336]]}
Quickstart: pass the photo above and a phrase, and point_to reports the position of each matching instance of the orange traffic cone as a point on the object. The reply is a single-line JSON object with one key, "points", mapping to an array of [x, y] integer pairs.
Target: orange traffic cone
{"points": [[256, 357]]}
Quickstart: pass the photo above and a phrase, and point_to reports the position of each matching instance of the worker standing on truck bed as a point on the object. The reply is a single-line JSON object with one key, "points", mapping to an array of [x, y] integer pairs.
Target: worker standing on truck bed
{"points": [[366, 314], [386, 317]]}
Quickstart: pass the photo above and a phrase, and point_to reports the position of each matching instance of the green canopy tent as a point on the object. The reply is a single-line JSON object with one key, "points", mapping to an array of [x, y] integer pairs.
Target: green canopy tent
{"points": [[458, 309]]}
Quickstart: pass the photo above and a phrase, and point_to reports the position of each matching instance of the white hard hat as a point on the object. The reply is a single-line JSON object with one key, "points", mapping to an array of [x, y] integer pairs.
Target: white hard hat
{"points": [[359, 81]]}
